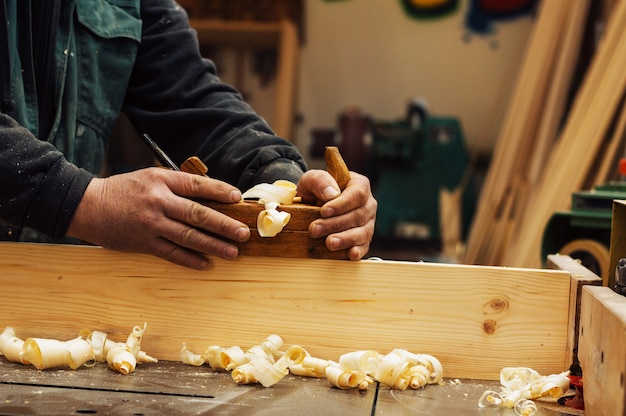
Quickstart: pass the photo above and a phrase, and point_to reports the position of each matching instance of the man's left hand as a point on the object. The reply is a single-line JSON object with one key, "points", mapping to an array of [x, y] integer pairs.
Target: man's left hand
{"points": [[348, 217]]}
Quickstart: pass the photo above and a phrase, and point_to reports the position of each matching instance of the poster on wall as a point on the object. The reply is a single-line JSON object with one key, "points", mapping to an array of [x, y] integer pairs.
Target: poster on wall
{"points": [[424, 9], [429, 9], [482, 15]]}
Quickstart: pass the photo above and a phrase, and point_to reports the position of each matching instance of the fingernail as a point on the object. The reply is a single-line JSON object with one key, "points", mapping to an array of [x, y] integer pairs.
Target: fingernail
{"points": [[243, 233], [316, 231], [330, 193], [231, 252], [334, 243], [327, 212], [235, 196], [204, 264]]}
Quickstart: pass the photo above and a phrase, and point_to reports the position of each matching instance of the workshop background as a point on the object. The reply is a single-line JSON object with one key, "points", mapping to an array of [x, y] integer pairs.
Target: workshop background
{"points": [[453, 109]]}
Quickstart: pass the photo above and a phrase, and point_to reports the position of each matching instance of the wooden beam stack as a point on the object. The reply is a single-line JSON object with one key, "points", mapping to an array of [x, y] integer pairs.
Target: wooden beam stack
{"points": [[536, 167]]}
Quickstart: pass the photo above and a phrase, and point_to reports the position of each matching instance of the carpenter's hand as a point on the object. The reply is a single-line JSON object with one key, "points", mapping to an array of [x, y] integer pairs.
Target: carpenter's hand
{"points": [[348, 217], [151, 211]]}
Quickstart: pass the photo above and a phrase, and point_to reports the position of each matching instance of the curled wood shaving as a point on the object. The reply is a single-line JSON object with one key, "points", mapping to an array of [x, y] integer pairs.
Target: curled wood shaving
{"points": [[400, 369], [89, 347]]}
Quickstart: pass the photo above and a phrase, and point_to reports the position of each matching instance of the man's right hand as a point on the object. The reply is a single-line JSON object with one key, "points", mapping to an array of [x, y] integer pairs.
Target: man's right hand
{"points": [[151, 211]]}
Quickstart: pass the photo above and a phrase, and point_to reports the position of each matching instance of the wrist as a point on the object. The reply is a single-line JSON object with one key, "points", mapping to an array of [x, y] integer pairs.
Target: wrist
{"points": [[85, 213]]}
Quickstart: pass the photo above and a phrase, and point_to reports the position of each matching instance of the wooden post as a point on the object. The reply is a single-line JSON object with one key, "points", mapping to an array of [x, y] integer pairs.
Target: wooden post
{"points": [[286, 76]]}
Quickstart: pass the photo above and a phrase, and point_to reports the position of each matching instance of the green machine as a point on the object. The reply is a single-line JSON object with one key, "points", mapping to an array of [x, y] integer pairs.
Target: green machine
{"points": [[584, 232], [411, 161]]}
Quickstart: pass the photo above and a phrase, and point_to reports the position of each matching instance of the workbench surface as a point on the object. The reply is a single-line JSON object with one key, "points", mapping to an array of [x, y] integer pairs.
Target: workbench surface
{"points": [[174, 388]]}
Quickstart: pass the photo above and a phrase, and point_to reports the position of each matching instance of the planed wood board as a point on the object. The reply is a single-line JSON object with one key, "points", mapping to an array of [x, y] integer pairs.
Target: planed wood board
{"points": [[618, 238], [475, 319], [601, 351], [581, 276]]}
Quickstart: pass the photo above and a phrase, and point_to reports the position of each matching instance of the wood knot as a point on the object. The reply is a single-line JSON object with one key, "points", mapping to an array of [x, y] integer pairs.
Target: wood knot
{"points": [[489, 326], [496, 305]]}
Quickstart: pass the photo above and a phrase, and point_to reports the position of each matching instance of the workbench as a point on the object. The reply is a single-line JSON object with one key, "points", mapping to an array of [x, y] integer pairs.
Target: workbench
{"points": [[474, 319], [173, 388]]}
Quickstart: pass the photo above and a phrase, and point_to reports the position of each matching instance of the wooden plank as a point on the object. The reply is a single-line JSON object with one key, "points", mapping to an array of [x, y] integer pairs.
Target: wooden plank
{"points": [[288, 54], [237, 33], [519, 173], [560, 86], [618, 238], [614, 150], [527, 173], [581, 276], [516, 135], [601, 351], [463, 315], [168, 388], [450, 211], [568, 165]]}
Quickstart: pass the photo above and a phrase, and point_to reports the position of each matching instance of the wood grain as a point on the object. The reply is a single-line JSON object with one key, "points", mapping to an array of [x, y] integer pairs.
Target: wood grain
{"points": [[475, 319], [336, 166], [517, 134], [601, 351], [527, 181], [583, 133], [581, 276], [247, 212], [194, 165], [294, 241]]}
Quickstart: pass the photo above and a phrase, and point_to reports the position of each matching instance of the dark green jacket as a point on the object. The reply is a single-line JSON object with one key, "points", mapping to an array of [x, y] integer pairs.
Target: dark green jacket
{"points": [[109, 56]]}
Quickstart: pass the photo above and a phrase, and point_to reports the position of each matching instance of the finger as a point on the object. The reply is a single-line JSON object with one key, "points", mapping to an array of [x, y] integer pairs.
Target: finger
{"points": [[179, 255], [195, 220], [196, 186], [355, 240], [196, 228], [317, 185], [357, 217], [357, 252], [196, 240], [356, 194]]}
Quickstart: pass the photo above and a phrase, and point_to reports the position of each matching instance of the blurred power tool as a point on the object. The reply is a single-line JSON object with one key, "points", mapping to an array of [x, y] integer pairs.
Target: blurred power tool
{"points": [[411, 160], [584, 232]]}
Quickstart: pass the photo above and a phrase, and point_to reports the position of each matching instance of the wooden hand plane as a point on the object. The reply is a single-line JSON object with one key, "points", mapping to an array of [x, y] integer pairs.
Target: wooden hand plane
{"points": [[294, 240]]}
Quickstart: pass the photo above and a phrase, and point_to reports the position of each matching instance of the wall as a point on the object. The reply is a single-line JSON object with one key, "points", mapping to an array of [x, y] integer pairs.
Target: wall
{"points": [[370, 53]]}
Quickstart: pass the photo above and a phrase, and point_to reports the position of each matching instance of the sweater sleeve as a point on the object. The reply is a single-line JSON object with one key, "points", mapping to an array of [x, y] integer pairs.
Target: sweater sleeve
{"points": [[176, 96], [40, 189]]}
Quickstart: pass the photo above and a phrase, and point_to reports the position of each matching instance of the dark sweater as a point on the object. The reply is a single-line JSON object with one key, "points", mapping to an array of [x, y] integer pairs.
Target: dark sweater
{"points": [[175, 96]]}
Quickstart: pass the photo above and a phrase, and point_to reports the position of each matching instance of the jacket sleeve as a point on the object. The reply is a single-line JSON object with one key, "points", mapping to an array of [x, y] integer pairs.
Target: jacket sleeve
{"points": [[39, 189], [175, 96]]}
